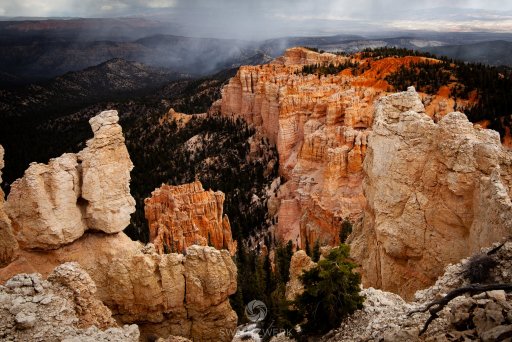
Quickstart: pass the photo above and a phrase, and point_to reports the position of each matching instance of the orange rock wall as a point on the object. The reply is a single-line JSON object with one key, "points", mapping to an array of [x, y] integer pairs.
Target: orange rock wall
{"points": [[320, 125], [185, 215]]}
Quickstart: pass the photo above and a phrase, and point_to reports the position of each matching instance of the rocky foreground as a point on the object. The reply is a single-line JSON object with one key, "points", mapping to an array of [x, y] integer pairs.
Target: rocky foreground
{"points": [[485, 316], [74, 210]]}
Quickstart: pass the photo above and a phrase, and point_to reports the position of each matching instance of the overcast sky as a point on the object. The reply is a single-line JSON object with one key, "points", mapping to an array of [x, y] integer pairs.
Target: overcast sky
{"points": [[266, 17]]}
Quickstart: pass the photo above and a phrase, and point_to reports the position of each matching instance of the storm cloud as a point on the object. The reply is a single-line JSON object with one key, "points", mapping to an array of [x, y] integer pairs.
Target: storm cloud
{"points": [[270, 18]]}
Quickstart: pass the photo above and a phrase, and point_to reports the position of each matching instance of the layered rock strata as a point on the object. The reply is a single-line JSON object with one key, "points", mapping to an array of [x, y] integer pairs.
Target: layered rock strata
{"points": [[436, 193], [320, 125], [74, 210], [62, 308], [185, 215], [55, 204]]}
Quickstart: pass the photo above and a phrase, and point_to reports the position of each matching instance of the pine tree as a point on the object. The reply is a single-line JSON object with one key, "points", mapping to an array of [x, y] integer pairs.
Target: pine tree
{"points": [[308, 249], [331, 292], [316, 251]]}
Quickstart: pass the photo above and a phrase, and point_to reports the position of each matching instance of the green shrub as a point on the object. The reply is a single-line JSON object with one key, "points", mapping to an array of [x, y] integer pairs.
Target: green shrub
{"points": [[331, 292]]}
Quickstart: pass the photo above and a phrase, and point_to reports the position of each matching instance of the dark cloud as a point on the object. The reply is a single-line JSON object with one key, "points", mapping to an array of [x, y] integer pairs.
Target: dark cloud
{"points": [[265, 18]]}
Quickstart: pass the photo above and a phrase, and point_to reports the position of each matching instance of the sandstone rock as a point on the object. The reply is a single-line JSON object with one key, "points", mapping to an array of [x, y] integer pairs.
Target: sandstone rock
{"points": [[436, 193], [54, 204], [299, 263], [385, 316], [1, 161], [184, 215], [169, 294], [63, 308], [8, 244], [106, 167], [43, 205], [320, 126], [499, 333]]}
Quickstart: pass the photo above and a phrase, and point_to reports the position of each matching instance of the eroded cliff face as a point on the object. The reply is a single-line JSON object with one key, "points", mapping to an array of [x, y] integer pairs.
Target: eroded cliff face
{"points": [[185, 215], [74, 210], [165, 294], [436, 193], [320, 125], [55, 204]]}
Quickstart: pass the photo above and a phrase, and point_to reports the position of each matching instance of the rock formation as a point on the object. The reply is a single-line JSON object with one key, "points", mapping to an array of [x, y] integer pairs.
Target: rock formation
{"points": [[8, 244], [436, 193], [299, 263], [320, 125], [74, 210], [482, 317], [54, 204], [164, 294], [62, 308], [185, 215], [1, 162]]}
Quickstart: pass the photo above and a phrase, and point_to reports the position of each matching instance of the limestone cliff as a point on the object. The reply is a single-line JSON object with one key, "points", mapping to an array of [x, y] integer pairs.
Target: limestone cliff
{"points": [[185, 215], [436, 193], [54, 204], [320, 125], [74, 210]]}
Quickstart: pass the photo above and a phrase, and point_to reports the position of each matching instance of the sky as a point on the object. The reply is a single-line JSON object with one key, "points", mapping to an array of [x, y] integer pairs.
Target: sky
{"points": [[261, 18]]}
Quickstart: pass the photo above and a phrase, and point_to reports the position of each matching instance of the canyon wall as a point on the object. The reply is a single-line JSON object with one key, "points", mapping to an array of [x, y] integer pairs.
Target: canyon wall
{"points": [[320, 125], [185, 215], [436, 193], [74, 210]]}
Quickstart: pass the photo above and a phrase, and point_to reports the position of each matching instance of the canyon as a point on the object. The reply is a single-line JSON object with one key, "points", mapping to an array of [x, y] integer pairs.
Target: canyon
{"points": [[74, 210], [320, 125], [424, 186]]}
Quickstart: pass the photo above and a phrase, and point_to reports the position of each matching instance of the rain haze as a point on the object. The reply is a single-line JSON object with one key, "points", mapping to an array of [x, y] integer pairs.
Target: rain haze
{"points": [[269, 19]]}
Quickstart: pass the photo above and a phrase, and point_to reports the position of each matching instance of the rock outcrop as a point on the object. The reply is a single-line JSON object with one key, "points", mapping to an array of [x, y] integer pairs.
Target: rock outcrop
{"points": [[436, 193], [186, 215], [320, 125], [74, 210], [169, 294], [54, 204], [1, 162], [62, 308], [8, 244], [482, 317], [299, 263]]}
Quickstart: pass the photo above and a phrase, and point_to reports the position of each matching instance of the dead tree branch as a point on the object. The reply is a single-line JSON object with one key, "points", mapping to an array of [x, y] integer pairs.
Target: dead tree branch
{"points": [[437, 305]]}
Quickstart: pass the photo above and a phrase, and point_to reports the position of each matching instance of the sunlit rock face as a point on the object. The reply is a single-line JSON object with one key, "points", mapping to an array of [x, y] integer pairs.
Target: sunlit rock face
{"points": [[186, 215], [436, 193], [320, 125], [54, 204]]}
